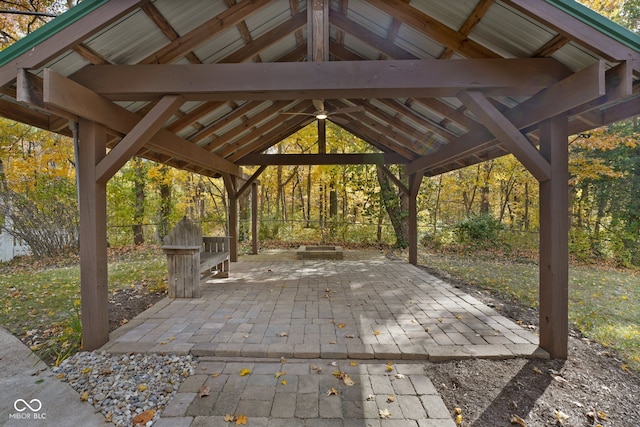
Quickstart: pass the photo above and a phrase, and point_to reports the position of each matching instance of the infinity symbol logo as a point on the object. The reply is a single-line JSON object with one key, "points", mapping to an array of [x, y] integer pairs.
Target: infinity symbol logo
{"points": [[25, 405]]}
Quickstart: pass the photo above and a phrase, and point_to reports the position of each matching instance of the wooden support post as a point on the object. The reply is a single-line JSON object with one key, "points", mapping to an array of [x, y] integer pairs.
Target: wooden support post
{"points": [[554, 240], [230, 184], [94, 292], [414, 187], [254, 218]]}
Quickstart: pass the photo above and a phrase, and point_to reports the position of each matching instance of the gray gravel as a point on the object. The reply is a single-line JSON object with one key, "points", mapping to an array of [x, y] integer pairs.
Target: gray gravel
{"points": [[123, 386]]}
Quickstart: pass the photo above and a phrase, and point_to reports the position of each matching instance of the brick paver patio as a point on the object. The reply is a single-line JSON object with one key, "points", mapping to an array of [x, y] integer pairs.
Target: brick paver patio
{"points": [[310, 312]]}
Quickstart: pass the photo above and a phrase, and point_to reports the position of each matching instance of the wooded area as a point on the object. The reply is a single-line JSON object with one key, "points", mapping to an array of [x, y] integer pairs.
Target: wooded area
{"points": [[493, 203]]}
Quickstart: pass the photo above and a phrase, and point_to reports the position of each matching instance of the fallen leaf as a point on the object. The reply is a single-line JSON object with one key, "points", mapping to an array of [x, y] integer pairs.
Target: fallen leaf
{"points": [[84, 396], [334, 363], [440, 319], [60, 375], [537, 370], [332, 342], [337, 374], [349, 336], [143, 387], [560, 416], [283, 382], [86, 370], [457, 411], [371, 397], [624, 367], [413, 321], [400, 376], [341, 325], [241, 419], [389, 368], [517, 420], [384, 413], [229, 418], [391, 398], [316, 368], [347, 380], [280, 374], [144, 417], [602, 415], [353, 363], [283, 334], [459, 317], [124, 322], [332, 392], [376, 332], [283, 360], [244, 372], [458, 419], [426, 329], [204, 391], [216, 374]]}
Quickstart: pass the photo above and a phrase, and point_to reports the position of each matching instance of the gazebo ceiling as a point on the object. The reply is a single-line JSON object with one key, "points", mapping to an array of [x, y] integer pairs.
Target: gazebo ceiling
{"points": [[432, 84]]}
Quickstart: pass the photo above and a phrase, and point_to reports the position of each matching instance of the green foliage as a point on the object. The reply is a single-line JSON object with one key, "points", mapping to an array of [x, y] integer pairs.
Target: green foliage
{"points": [[479, 230]]}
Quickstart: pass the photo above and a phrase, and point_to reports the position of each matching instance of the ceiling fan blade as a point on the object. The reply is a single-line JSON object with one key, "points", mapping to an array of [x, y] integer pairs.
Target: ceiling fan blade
{"points": [[318, 104], [346, 110], [339, 120]]}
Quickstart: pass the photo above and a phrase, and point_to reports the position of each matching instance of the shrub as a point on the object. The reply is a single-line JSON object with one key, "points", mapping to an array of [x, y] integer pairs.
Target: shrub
{"points": [[480, 230]]}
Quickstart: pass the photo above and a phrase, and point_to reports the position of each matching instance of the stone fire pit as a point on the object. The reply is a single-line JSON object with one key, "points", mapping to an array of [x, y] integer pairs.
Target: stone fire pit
{"points": [[319, 252]]}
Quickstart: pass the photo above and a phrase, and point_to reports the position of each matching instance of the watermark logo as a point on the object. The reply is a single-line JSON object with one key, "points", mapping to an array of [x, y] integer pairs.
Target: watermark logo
{"points": [[28, 410]]}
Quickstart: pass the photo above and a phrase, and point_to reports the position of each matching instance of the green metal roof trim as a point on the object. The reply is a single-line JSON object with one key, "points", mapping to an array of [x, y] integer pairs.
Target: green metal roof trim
{"points": [[49, 29], [598, 22]]}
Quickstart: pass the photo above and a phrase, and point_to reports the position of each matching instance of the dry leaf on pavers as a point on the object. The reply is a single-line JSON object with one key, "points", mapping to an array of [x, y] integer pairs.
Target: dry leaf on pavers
{"points": [[537, 370], [458, 419], [334, 363], [440, 319], [517, 420], [371, 397], [204, 391], [283, 360], [349, 336], [376, 332], [560, 416], [283, 334], [384, 413], [332, 392], [332, 342], [458, 317], [216, 374], [347, 380], [280, 374], [144, 417], [283, 382], [241, 419], [400, 376], [245, 371], [389, 368], [124, 322], [228, 418], [143, 387], [341, 325], [353, 363], [391, 398], [598, 415], [84, 396]]}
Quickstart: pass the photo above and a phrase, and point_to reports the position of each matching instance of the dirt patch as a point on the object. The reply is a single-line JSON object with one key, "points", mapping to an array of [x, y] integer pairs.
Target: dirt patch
{"points": [[125, 304], [593, 387]]}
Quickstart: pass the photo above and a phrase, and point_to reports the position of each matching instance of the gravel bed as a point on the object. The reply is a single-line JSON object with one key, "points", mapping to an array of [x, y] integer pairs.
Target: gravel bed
{"points": [[123, 386]]}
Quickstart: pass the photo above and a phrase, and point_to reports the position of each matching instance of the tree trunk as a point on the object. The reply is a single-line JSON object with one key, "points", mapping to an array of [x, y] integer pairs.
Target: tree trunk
{"points": [[397, 207], [165, 204], [139, 184]]}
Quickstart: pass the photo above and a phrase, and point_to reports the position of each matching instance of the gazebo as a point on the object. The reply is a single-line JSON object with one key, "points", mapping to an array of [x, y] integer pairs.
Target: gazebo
{"points": [[208, 86]]}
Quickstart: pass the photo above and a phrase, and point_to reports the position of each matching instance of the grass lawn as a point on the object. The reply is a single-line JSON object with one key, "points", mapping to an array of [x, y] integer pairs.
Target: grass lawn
{"points": [[45, 299], [603, 303]]}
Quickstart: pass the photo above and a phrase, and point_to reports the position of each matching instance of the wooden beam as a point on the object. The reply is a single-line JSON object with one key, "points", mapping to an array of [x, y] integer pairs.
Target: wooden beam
{"points": [[379, 43], [30, 92], [507, 133], [322, 136], [554, 240], [578, 89], [70, 96], [204, 32], [323, 80], [395, 179], [135, 139], [232, 215], [250, 181], [470, 23], [318, 30], [322, 159], [433, 29], [92, 195], [577, 31], [66, 38]]}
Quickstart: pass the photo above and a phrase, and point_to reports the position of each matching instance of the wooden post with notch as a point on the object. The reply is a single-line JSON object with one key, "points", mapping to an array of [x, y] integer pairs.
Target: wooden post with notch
{"points": [[94, 291], [414, 187], [554, 240]]}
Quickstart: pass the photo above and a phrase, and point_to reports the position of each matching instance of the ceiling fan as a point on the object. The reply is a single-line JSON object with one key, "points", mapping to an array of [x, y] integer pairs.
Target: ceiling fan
{"points": [[321, 113]]}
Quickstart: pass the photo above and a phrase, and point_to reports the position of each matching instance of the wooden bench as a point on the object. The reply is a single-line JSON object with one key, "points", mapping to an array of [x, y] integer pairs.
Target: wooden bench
{"points": [[191, 256]]}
